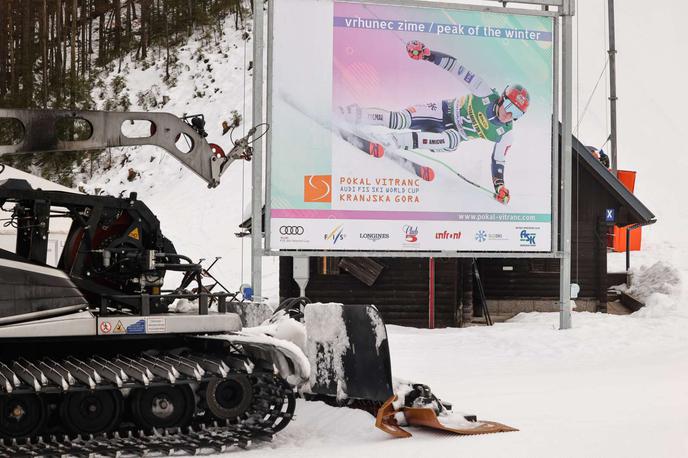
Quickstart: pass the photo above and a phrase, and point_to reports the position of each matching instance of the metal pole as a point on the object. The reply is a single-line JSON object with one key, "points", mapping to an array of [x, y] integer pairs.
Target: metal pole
{"points": [[257, 161], [612, 83], [566, 160], [556, 190]]}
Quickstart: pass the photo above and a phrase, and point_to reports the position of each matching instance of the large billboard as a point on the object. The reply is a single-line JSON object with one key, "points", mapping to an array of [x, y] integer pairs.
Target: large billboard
{"points": [[409, 128]]}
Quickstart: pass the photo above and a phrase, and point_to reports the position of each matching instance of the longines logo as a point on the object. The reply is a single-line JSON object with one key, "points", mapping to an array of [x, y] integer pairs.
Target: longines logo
{"points": [[374, 237], [291, 230]]}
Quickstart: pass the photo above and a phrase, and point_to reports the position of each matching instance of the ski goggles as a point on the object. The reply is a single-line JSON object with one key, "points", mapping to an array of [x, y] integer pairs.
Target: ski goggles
{"points": [[510, 107]]}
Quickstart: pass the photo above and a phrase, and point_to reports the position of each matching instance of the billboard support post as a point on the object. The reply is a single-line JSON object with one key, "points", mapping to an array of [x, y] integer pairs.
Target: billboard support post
{"points": [[612, 84], [257, 162], [566, 166]]}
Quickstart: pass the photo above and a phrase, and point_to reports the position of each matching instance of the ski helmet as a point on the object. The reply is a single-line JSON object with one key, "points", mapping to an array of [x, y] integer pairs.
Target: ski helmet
{"points": [[515, 100]]}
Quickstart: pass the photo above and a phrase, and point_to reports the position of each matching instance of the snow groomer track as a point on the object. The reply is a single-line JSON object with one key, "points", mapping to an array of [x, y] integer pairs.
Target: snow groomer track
{"points": [[57, 402], [199, 440]]}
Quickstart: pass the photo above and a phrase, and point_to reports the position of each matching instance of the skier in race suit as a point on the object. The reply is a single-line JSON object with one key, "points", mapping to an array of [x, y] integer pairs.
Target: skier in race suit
{"points": [[443, 124]]}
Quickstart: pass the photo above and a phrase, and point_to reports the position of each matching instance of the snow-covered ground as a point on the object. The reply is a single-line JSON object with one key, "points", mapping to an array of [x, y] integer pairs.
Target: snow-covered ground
{"points": [[614, 386], [611, 386]]}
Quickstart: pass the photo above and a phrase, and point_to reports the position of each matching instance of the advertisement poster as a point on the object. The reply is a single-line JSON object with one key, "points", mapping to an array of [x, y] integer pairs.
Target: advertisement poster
{"points": [[409, 129]]}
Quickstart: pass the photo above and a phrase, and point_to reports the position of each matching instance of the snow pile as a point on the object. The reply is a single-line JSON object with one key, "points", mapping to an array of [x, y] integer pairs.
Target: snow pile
{"points": [[252, 313], [281, 326], [658, 278], [183, 305], [658, 286]]}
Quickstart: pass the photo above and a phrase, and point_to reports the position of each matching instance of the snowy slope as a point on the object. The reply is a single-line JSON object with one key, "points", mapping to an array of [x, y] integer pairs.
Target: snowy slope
{"points": [[611, 386], [200, 221]]}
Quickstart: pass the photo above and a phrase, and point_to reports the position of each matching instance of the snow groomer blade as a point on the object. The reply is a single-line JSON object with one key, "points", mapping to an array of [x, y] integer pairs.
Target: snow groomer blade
{"points": [[348, 352]]}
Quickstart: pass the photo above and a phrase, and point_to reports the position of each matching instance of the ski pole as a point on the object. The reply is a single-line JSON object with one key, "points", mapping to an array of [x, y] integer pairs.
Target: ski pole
{"points": [[448, 167], [378, 18]]}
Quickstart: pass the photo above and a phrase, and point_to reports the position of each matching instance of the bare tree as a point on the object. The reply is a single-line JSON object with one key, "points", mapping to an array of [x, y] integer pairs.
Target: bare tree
{"points": [[44, 49]]}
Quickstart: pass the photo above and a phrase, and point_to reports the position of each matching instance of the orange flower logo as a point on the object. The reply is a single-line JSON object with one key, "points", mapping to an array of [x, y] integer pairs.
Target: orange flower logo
{"points": [[317, 188]]}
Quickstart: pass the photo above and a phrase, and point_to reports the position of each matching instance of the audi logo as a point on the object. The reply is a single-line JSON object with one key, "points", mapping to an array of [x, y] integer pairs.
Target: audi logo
{"points": [[291, 230]]}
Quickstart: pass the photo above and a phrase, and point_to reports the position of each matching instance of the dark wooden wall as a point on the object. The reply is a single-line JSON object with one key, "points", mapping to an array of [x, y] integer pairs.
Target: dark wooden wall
{"points": [[400, 293]]}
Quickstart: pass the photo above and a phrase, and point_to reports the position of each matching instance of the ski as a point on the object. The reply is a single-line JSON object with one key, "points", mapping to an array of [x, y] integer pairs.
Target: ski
{"points": [[369, 147], [378, 150]]}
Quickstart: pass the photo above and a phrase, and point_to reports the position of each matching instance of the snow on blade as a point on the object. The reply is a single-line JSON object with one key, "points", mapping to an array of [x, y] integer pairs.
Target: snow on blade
{"points": [[456, 420], [281, 351], [379, 327], [327, 344]]}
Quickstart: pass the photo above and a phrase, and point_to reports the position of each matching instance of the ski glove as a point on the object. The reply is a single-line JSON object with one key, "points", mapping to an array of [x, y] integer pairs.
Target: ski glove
{"points": [[417, 50], [502, 194]]}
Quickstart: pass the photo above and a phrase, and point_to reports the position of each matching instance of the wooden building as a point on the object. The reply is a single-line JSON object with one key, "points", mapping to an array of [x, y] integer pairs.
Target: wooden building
{"points": [[400, 287]]}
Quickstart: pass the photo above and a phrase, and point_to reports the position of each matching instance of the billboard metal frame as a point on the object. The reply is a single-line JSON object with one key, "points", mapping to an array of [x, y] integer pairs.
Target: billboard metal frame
{"points": [[561, 170]]}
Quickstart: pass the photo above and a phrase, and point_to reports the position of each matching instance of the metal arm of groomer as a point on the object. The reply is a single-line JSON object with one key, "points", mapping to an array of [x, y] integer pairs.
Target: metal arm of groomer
{"points": [[45, 131]]}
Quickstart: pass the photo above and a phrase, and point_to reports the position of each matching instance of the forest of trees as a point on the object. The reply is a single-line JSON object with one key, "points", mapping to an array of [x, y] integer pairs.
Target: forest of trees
{"points": [[49, 49], [52, 52]]}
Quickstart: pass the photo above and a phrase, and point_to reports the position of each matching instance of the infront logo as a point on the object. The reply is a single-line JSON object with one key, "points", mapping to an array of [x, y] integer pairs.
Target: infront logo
{"points": [[446, 235], [317, 188]]}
